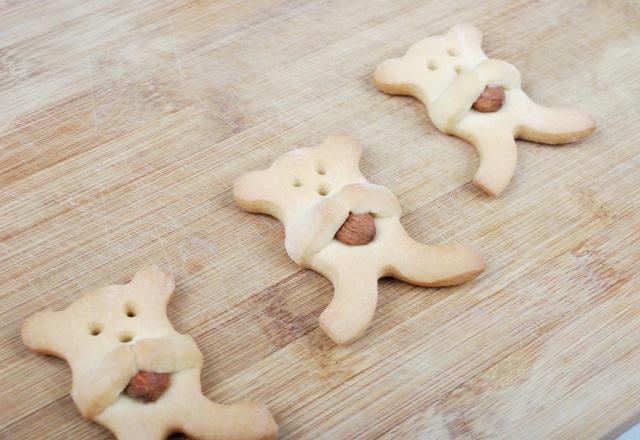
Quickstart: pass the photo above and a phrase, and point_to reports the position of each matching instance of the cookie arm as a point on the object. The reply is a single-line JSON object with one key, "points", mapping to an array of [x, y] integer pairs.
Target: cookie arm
{"points": [[557, 125], [351, 310], [440, 265]]}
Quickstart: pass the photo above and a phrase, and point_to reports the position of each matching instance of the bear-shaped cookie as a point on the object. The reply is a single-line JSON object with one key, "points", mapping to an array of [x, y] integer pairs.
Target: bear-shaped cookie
{"points": [[450, 74], [348, 230], [132, 372]]}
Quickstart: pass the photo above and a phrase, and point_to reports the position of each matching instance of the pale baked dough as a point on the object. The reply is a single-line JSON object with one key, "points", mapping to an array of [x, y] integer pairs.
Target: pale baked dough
{"points": [[312, 191], [110, 334], [449, 72]]}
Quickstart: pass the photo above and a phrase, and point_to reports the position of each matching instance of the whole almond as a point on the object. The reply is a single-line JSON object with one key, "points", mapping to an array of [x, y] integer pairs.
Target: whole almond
{"points": [[490, 100], [147, 386], [357, 230]]}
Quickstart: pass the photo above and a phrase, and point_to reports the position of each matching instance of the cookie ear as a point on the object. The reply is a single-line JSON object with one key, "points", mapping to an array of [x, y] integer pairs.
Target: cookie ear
{"points": [[467, 33], [343, 152], [251, 193], [391, 77], [152, 278], [342, 143], [39, 333]]}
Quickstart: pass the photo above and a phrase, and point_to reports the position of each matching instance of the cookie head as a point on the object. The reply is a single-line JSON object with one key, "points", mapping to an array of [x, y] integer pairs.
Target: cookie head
{"points": [[430, 64], [101, 321], [300, 178]]}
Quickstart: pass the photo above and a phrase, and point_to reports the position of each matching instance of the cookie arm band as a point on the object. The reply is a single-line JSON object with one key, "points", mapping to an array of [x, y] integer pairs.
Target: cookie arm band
{"points": [[93, 393], [314, 229], [451, 106], [317, 227], [162, 355], [167, 355], [364, 198]]}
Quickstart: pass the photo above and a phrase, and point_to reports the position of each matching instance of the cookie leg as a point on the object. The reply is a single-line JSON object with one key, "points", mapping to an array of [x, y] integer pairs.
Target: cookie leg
{"points": [[554, 125], [128, 422], [134, 431], [243, 421], [440, 265], [352, 308], [498, 157]]}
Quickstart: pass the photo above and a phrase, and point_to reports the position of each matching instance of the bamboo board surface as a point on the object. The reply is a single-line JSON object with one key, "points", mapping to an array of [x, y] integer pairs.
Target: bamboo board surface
{"points": [[124, 123]]}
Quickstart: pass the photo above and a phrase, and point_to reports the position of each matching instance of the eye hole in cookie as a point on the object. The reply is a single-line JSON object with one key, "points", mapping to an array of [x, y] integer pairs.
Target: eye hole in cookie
{"points": [[130, 310], [323, 189], [297, 183], [432, 64], [452, 51], [95, 328], [458, 69], [125, 337], [321, 169]]}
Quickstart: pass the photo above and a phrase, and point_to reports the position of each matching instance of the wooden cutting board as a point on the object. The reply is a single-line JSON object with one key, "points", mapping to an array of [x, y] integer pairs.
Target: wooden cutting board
{"points": [[124, 123]]}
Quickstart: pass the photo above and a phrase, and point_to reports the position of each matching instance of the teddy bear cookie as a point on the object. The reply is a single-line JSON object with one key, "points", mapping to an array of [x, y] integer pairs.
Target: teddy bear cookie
{"points": [[132, 372], [348, 230], [479, 100]]}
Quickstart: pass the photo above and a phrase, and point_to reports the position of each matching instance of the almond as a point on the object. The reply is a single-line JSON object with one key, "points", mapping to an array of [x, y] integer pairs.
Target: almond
{"points": [[357, 230], [490, 100], [147, 386]]}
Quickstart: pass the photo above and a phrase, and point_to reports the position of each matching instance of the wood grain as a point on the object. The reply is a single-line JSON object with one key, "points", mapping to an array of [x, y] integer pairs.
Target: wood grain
{"points": [[124, 124]]}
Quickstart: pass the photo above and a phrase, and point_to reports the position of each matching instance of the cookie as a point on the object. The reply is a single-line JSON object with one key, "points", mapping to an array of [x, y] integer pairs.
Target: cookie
{"points": [[132, 372], [348, 230], [479, 100]]}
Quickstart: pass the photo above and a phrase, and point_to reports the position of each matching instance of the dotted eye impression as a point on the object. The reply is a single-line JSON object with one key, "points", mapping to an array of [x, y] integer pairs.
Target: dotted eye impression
{"points": [[95, 328], [321, 169], [297, 183], [432, 64], [130, 310], [125, 337], [323, 189]]}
